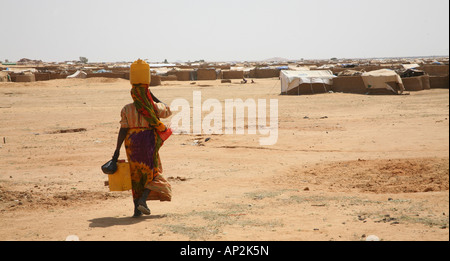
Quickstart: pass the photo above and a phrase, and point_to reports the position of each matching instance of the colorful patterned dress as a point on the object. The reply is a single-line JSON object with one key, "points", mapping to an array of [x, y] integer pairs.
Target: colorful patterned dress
{"points": [[144, 138]]}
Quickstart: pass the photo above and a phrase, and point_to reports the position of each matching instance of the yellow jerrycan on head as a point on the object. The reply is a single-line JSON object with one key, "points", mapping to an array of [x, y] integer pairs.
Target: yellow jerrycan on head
{"points": [[140, 72]]}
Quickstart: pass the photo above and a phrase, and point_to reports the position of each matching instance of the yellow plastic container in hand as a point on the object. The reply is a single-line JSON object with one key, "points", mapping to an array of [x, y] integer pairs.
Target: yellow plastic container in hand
{"points": [[140, 72], [121, 179]]}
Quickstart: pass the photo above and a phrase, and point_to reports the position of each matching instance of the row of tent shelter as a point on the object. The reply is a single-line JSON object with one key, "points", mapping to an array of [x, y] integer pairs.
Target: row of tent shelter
{"points": [[383, 81], [303, 81], [295, 80]]}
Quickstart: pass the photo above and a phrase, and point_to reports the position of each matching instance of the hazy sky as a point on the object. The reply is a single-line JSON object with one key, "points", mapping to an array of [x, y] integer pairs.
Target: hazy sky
{"points": [[226, 30]]}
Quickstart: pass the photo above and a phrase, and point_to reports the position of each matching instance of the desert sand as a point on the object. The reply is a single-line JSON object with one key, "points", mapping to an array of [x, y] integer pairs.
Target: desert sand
{"points": [[345, 166]]}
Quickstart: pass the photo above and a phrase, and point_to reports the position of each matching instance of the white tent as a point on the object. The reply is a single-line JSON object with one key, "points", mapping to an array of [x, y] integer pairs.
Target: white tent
{"points": [[78, 74], [383, 80], [159, 65], [410, 66], [304, 79]]}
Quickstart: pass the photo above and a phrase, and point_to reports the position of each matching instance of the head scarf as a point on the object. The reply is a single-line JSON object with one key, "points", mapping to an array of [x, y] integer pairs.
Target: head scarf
{"points": [[146, 107]]}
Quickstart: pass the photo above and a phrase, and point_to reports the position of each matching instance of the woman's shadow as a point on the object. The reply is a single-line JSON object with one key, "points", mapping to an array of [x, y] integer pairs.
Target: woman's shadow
{"points": [[120, 221]]}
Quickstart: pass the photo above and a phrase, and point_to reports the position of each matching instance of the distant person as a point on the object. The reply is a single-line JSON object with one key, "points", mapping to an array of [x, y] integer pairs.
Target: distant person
{"points": [[144, 134]]}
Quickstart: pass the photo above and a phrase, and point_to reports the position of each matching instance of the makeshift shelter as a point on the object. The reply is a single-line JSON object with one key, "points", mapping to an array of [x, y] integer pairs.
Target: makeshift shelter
{"points": [[306, 82], [42, 76], [410, 66], [383, 81], [26, 77], [349, 84], [4, 77], [232, 74], [439, 82], [77, 74], [206, 74], [435, 70], [350, 73], [168, 78], [425, 82], [186, 75], [155, 80], [410, 73], [413, 83], [266, 72]]}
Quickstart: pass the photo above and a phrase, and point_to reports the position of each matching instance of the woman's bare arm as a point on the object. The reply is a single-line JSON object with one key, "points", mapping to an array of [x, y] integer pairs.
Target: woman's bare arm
{"points": [[120, 138]]}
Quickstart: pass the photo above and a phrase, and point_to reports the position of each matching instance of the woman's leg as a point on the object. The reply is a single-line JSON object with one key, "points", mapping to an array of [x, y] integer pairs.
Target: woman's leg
{"points": [[142, 205], [137, 212]]}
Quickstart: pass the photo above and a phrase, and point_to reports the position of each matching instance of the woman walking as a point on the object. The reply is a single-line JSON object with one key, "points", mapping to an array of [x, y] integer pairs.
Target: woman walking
{"points": [[143, 134]]}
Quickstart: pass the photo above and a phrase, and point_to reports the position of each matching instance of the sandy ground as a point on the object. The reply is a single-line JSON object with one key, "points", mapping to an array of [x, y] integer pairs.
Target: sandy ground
{"points": [[345, 166]]}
